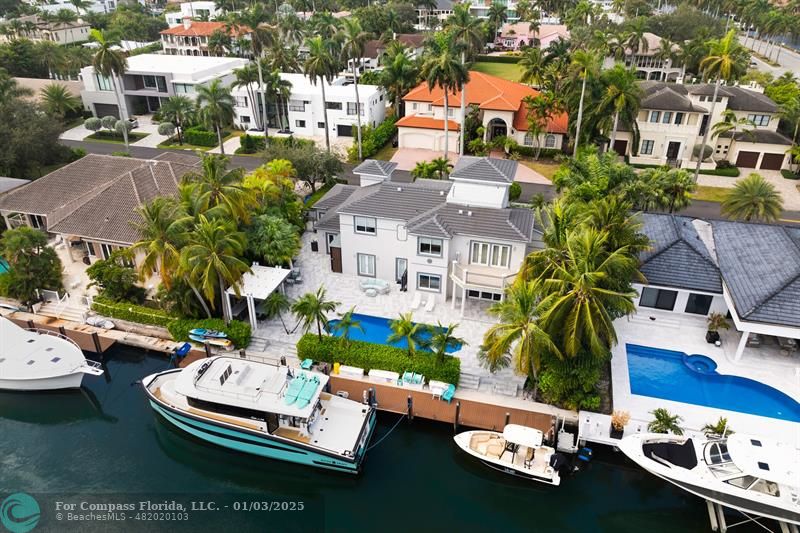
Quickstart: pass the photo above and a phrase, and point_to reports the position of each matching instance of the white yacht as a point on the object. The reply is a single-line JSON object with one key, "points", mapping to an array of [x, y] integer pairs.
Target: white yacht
{"points": [[747, 473], [40, 360], [518, 450], [264, 409]]}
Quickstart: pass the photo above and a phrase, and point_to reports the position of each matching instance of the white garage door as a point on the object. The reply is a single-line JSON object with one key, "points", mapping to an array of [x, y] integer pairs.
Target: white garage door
{"points": [[416, 139]]}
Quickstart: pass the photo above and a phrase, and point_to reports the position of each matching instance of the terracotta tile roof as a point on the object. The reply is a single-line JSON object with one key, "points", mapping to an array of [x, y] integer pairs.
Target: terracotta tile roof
{"points": [[428, 123], [488, 92], [203, 29]]}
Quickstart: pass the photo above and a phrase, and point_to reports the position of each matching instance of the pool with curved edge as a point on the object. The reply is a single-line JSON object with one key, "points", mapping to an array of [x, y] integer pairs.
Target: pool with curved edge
{"points": [[679, 377], [377, 330]]}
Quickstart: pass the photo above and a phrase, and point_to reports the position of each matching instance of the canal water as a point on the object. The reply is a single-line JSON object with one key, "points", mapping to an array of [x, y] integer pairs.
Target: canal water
{"points": [[104, 441]]}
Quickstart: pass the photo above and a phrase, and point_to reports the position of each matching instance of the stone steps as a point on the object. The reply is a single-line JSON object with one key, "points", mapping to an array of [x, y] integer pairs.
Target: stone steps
{"points": [[469, 381], [71, 313]]}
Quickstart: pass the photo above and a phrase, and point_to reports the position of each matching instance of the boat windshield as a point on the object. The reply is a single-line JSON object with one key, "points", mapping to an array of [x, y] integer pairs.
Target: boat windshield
{"points": [[755, 484], [717, 453]]}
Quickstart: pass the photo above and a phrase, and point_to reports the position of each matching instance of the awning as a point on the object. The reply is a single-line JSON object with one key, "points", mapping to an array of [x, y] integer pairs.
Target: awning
{"points": [[261, 281], [522, 435]]}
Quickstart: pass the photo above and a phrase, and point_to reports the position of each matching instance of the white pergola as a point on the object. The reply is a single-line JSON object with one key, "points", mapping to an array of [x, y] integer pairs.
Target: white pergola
{"points": [[257, 284]]}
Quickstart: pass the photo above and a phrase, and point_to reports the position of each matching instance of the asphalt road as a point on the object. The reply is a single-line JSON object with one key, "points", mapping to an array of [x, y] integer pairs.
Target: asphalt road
{"points": [[698, 209], [789, 60]]}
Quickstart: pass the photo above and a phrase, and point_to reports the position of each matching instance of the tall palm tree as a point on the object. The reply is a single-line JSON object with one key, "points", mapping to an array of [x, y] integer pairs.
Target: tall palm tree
{"points": [[52, 56], [211, 258], [161, 236], [262, 37], [313, 308], [284, 58], [405, 329], [58, 101], [753, 199], [275, 305], [496, 16], [321, 66], [449, 74], [216, 186], [583, 64], [355, 39], [81, 4], [215, 105], [179, 110], [278, 90], [247, 78], [111, 63], [443, 338], [468, 35], [621, 98], [533, 63], [346, 324], [398, 76], [726, 61], [517, 337]]}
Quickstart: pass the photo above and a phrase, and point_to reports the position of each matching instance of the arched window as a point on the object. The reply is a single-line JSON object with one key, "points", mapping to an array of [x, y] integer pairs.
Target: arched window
{"points": [[550, 141], [528, 139]]}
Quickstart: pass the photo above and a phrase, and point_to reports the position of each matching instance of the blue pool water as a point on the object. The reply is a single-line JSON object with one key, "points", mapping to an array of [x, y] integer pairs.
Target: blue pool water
{"points": [[377, 330], [693, 379], [3, 266]]}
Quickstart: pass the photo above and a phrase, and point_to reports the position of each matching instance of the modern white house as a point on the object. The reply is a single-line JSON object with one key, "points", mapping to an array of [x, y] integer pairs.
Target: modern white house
{"points": [[94, 6], [650, 62], [673, 118], [480, 9], [201, 10], [304, 108], [152, 78], [454, 239]]}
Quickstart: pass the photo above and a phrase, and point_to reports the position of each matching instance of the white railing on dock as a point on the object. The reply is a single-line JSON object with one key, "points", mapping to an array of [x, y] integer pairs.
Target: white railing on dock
{"points": [[39, 331]]}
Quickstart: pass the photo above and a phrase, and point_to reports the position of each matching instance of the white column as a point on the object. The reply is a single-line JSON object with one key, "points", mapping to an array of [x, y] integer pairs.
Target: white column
{"points": [[453, 301], [226, 305], [741, 346], [251, 311], [463, 299]]}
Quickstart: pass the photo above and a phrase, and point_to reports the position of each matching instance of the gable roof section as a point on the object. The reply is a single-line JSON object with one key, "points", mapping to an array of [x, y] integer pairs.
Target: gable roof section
{"points": [[667, 98], [373, 167], [398, 201], [426, 123], [677, 257], [484, 169], [447, 220]]}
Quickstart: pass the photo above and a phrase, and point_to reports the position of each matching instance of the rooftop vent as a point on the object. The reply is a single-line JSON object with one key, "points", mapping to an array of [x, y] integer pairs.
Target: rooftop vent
{"points": [[460, 211], [441, 193], [399, 189], [469, 213]]}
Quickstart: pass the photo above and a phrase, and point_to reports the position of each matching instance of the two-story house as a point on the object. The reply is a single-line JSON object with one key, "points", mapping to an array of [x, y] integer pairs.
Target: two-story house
{"points": [[673, 118], [456, 238], [152, 78], [38, 29], [433, 16], [650, 62], [501, 109], [514, 36], [191, 38], [198, 10]]}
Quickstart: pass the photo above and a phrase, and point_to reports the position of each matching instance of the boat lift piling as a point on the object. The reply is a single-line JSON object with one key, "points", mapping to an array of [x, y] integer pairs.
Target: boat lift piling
{"points": [[455, 418], [716, 517], [410, 408]]}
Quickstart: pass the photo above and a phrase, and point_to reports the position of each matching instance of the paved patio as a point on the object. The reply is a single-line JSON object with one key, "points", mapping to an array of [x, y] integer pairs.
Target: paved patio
{"points": [[407, 158], [344, 288]]}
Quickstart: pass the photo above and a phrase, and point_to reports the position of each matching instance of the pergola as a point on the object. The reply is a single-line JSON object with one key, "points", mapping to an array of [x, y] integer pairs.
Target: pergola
{"points": [[257, 284]]}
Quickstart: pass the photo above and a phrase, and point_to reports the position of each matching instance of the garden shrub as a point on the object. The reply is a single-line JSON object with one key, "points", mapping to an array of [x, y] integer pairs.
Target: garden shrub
{"points": [[530, 151], [498, 59], [515, 191], [790, 175], [5, 280], [572, 383], [731, 172], [131, 312], [250, 144], [368, 355], [238, 332], [372, 139], [199, 136]]}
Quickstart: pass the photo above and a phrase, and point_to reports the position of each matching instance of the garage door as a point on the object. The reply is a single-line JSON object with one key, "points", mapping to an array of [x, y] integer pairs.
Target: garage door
{"points": [[772, 161], [747, 159], [416, 140], [104, 110], [344, 131]]}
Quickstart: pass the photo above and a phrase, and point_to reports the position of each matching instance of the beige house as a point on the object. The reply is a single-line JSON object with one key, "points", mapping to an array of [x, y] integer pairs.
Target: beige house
{"points": [[57, 32], [649, 61]]}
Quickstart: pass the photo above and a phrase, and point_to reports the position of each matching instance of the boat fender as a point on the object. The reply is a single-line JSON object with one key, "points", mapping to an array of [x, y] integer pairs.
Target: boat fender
{"points": [[558, 461], [585, 454]]}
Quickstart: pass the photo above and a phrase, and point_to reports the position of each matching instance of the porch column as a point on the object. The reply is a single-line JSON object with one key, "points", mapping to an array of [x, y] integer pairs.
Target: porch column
{"points": [[741, 346], [251, 311], [226, 306], [453, 300], [463, 299]]}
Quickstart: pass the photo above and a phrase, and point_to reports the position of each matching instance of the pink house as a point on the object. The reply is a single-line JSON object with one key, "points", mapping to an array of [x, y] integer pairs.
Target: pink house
{"points": [[515, 36]]}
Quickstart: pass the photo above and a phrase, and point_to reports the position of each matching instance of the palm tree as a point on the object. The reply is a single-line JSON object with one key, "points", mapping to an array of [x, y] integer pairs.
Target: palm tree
{"points": [[753, 198], [443, 339], [179, 110], [664, 422], [726, 61], [405, 329], [284, 58], [275, 305], [218, 187], [313, 308], [345, 324], [730, 125], [321, 66], [274, 239], [247, 77], [262, 38], [398, 77], [496, 16], [81, 4], [112, 64], [354, 41], [719, 428], [211, 258], [533, 63], [621, 98], [583, 64], [518, 337], [468, 35], [278, 90], [53, 57], [58, 101], [449, 74], [215, 105]]}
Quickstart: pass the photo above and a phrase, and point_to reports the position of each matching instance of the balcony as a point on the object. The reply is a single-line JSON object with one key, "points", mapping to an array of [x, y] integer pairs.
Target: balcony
{"points": [[481, 277]]}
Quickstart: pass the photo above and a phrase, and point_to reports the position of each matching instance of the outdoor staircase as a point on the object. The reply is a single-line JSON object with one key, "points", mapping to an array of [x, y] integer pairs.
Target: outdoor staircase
{"points": [[271, 347], [469, 381], [68, 312]]}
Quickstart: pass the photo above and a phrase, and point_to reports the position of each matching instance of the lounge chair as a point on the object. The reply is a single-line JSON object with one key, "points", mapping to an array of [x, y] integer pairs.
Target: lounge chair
{"points": [[306, 364], [417, 301], [430, 304], [295, 387], [449, 393], [307, 393]]}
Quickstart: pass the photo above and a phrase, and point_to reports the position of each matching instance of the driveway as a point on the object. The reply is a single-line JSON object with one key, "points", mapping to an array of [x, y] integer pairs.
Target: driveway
{"points": [[407, 158], [787, 188]]}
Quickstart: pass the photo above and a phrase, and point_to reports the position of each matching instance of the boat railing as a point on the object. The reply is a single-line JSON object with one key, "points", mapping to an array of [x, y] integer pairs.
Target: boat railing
{"points": [[229, 394], [40, 331]]}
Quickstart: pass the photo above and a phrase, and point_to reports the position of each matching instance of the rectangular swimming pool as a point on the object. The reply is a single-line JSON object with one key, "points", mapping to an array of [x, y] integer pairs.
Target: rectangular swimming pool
{"points": [[377, 331], [679, 377]]}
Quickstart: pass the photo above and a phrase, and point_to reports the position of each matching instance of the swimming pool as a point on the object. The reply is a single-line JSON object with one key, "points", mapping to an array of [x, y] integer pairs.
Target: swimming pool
{"points": [[377, 330], [679, 377]]}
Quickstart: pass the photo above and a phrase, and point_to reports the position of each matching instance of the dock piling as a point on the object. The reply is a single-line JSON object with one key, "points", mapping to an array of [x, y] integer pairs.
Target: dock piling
{"points": [[208, 349], [410, 408], [242, 354], [455, 418], [97, 346], [508, 418], [723, 526], [712, 516], [62, 331]]}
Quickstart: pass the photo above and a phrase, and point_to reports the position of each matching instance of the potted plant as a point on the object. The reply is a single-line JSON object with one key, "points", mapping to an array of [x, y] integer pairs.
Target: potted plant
{"points": [[718, 429], [619, 419], [716, 322], [664, 422]]}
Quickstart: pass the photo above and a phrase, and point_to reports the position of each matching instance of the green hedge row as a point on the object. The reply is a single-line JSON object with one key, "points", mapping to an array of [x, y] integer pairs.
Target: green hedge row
{"points": [[372, 139], [530, 151], [238, 332], [199, 136], [368, 355], [498, 59], [132, 312], [731, 172], [250, 144], [790, 175]]}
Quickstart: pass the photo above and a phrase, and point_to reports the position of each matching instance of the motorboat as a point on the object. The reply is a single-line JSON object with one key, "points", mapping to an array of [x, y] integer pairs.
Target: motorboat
{"points": [[225, 344], [518, 450], [208, 333], [38, 359], [264, 409], [750, 474]]}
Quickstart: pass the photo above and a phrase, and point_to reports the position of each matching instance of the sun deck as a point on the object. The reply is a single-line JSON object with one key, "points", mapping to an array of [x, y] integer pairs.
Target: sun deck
{"points": [[36, 354]]}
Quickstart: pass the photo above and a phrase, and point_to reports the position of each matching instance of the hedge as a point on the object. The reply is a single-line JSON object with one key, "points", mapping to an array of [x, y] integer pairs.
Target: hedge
{"points": [[201, 137], [238, 332], [731, 172], [368, 355], [373, 139], [790, 175], [530, 151], [132, 312], [498, 59], [250, 144]]}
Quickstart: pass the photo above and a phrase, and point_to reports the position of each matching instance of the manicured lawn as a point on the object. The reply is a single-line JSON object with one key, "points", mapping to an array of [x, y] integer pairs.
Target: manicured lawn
{"points": [[544, 167], [173, 144], [313, 198], [385, 153], [509, 71], [710, 194], [104, 138]]}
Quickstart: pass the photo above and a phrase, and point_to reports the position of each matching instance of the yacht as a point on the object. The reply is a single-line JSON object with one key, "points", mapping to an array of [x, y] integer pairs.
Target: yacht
{"points": [[518, 450], [750, 474], [268, 410], [38, 359]]}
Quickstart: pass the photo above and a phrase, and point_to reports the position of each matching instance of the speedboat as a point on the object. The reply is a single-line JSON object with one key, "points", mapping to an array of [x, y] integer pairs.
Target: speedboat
{"points": [[263, 409], [746, 473], [518, 450], [37, 359]]}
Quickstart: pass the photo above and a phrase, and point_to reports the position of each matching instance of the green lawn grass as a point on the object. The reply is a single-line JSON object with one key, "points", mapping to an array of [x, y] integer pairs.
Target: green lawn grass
{"points": [[385, 153], [508, 71], [312, 199], [710, 194], [102, 138], [544, 167]]}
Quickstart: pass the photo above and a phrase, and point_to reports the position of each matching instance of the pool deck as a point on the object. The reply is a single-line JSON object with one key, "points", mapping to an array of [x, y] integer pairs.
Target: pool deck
{"points": [[685, 333]]}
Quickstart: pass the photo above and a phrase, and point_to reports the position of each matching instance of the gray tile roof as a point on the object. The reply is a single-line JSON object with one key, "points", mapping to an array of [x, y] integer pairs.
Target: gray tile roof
{"points": [[742, 99], [760, 264], [760, 136], [398, 201], [447, 220], [334, 197], [375, 167], [8, 184], [677, 257], [674, 96], [484, 169], [668, 99]]}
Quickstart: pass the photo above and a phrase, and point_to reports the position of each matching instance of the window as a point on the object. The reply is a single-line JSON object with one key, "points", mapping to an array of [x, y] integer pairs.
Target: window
{"points": [[297, 105], [333, 105], [654, 116], [430, 107], [149, 82], [38, 221], [429, 282], [666, 118], [365, 225], [678, 118], [103, 83], [183, 88], [549, 141], [449, 111], [428, 246], [528, 139], [658, 298], [647, 147], [366, 265], [105, 250], [321, 125], [244, 119], [484, 253], [351, 108], [759, 120], [698, 304], [483, 295], [299, 123], [241, 101], [414, 106]]}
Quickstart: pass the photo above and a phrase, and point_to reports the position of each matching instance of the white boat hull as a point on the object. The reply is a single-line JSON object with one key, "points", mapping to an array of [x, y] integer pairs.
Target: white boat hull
{"points": [[68, 381]]}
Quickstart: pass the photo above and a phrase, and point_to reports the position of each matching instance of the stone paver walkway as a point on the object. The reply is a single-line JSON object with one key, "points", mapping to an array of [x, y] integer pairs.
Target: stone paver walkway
{"points": [[407, 158], [787, 188]]}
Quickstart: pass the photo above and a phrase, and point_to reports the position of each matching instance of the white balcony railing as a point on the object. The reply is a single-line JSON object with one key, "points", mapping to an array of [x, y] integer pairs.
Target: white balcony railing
{"points": [[481, 277]]}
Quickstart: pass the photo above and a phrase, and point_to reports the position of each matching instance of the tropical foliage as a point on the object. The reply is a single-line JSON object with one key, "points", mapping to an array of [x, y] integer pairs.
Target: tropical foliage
{"points": [[753, 199], [665, 422], [32, 265]]}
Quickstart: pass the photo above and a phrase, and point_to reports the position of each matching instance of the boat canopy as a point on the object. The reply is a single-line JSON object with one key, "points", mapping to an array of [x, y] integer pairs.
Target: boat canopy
{"points": [[523, 435], [765, 459]]}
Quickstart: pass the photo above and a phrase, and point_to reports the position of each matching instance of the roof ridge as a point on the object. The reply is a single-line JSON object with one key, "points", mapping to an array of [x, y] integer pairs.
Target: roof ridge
{"points": [[771, 295]]}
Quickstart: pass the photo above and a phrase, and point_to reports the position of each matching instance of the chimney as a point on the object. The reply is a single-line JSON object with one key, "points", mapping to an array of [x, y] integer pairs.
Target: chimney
{"points": [[187, 23]]}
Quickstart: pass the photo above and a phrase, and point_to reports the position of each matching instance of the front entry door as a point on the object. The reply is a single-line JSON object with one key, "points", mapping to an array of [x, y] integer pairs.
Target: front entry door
{"points": [[673, 149], [336, 259], [400, 267]]}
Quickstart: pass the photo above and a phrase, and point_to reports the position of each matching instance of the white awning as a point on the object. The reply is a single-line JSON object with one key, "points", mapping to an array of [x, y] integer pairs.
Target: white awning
{"points": [[522, 435], [261, 281]]}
